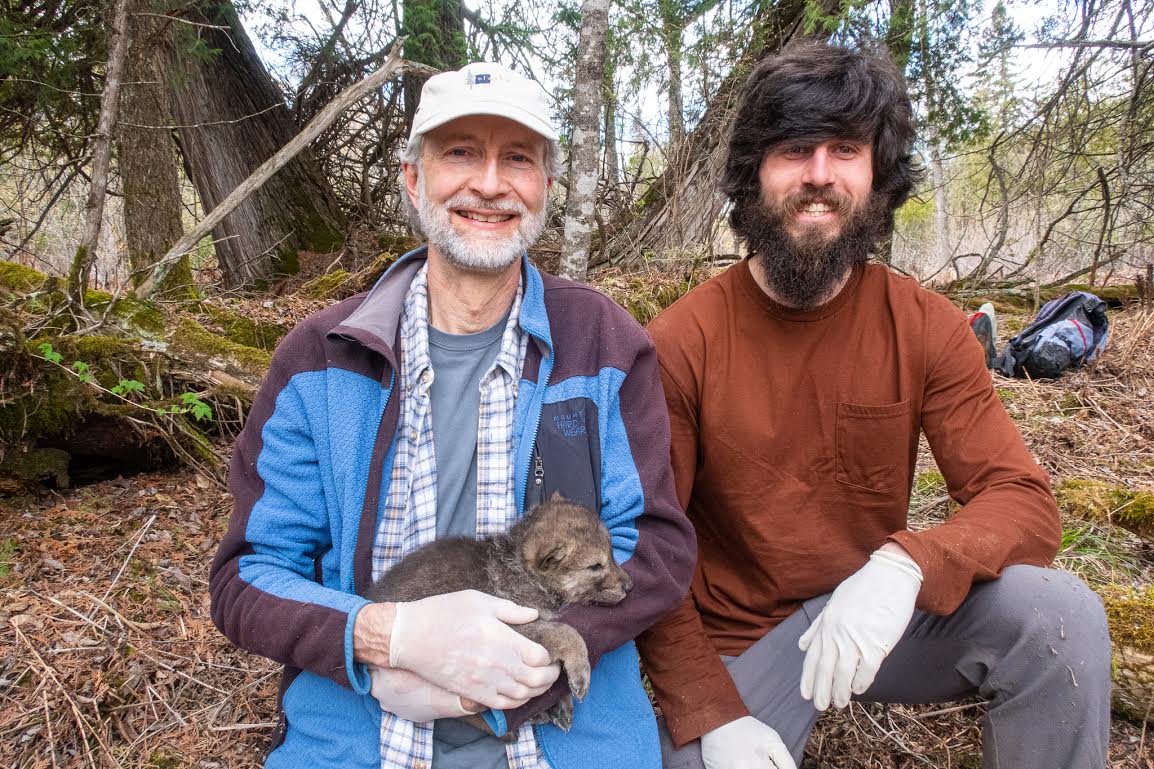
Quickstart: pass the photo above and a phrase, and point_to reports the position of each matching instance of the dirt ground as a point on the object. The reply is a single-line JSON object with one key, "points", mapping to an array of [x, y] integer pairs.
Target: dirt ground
{"points": [[108, 656]]}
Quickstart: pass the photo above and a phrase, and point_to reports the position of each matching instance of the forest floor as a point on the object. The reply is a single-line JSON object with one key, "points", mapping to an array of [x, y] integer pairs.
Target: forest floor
{"points": [[108, 656]]}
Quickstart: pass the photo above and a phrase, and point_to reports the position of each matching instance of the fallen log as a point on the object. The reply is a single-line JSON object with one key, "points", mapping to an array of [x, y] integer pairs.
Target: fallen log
{"points": [[144, 388], [1130, 614]]}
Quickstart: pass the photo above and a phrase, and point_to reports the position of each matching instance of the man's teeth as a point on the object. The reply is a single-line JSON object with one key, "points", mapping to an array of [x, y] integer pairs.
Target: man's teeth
{"points": [[817, 208], [486, 217]]}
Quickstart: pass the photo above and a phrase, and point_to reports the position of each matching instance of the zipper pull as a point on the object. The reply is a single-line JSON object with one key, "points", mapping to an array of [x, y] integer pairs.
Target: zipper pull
{"points": [[538, 468]]}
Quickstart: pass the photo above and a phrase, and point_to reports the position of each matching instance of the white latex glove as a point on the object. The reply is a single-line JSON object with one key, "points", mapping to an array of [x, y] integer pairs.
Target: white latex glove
{"points": [[744, 744], [413, 698], [863, 621], [462, 642]]}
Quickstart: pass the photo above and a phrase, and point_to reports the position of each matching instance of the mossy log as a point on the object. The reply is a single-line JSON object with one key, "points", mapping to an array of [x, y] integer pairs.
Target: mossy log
{"points": [[64, 392], [1130, 614], [1132, 510], [1019, 300]]}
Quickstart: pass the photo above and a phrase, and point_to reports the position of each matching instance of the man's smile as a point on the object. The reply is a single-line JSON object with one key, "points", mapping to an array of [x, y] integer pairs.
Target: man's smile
{"points": [[481, 216]]}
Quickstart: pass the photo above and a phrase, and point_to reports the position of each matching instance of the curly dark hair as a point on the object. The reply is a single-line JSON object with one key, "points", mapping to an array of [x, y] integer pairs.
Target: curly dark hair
{"points": [[819, 91]]}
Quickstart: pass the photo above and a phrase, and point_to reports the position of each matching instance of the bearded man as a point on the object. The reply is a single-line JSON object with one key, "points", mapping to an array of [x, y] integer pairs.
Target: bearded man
{"points": [[798, 383], [463, 389]]}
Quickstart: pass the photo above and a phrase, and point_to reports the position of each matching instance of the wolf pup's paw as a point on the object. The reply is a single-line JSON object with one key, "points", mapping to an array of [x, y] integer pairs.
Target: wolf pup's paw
{"points": [[561, 714], [578, 672]]}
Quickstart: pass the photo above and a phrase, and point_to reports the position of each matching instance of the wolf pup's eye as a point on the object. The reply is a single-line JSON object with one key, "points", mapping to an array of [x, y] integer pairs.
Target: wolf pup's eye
{"points": [[597, 567]]}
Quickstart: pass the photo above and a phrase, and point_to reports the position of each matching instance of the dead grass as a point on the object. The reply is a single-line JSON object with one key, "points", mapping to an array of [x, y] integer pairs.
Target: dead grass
{"points": [[108, 657]]}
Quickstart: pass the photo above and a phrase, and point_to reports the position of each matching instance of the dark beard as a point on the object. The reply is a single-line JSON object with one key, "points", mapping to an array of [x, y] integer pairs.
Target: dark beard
{"points": [[803, 271]]}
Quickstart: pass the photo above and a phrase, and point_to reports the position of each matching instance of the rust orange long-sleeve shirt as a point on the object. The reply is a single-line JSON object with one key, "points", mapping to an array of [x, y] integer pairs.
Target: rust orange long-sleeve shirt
{"points": [[794, 437]]}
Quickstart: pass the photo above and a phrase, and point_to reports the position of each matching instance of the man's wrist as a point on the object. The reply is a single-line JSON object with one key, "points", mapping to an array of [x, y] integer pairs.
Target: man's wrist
{"points": [[896, 549], [372, 634]]}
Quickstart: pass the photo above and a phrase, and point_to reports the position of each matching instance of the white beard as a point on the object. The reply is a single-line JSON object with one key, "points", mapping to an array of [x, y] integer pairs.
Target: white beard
{"points": [[478, 253]]}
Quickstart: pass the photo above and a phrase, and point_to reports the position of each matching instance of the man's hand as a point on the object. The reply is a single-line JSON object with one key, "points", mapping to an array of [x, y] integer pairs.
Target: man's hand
{"points": [[413, 698], [462, 642], [744, 744], [863, 621]]}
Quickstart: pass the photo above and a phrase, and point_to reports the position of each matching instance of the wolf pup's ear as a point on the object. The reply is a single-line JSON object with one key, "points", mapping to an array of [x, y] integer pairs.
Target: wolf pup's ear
{"points": [[553, 556], [556, 497]]}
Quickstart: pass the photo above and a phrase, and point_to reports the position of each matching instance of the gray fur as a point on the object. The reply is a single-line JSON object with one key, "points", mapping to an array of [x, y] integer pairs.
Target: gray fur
{"points": [[559, 554]]}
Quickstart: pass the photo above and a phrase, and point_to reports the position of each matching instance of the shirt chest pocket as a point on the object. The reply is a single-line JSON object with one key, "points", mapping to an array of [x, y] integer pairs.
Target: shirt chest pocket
{"points": [[873, 445]]}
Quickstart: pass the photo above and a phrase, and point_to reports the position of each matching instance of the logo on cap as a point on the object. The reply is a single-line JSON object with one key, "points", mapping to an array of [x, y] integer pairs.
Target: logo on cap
{"points": [[482, 79]]}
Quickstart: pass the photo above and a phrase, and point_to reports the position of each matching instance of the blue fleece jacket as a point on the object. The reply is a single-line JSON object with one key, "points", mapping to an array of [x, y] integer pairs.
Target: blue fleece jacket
{"points": [[310, 476]]}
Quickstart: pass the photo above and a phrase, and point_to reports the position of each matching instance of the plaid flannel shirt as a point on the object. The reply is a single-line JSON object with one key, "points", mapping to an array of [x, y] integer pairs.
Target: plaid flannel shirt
{"points": [[410, 515]]}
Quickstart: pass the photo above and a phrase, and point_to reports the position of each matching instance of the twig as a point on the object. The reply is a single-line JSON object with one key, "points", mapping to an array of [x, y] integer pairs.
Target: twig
{"points": [[123, 566], [943, 711], [52, 738], [238, 727], [140, 627]]}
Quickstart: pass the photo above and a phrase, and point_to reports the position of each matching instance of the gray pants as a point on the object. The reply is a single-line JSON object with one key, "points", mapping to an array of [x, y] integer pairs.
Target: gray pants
{"points": [[1034, 643]]}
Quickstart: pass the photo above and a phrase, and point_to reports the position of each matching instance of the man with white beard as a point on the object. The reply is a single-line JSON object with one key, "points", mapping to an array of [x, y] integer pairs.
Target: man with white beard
{"points": [[462, 390]]}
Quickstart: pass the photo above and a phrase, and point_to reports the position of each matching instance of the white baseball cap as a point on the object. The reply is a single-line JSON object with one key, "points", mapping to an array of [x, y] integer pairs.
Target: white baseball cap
{"points": [[483, 88]]}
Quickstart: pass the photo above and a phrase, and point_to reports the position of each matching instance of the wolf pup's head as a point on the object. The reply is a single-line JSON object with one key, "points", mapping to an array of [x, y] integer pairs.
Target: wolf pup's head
{"points": [[568, 547]]}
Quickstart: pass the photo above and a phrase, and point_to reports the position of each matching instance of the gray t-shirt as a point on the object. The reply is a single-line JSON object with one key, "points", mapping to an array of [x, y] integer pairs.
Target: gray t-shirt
{"points": [[459, 361]]}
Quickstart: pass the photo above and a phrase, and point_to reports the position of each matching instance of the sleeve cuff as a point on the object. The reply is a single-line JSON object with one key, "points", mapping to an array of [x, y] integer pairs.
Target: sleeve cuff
{"points": [[357, 672], [496, 721], [689, 727]]}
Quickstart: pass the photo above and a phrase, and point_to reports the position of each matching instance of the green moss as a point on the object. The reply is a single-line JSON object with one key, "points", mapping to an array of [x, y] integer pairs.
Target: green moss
{"points": [[929, 482], [396, 243], [8, 550], [194, 337], [22, 471], [1070, 402], [1114, 295], [244, 330], [178, 285], [133, 315], [1006, 394], [19, 278], [326, 286], [1011, 325], [161, 760], [51, 408], [1131, 509], [1130, 615], [289, 263]]}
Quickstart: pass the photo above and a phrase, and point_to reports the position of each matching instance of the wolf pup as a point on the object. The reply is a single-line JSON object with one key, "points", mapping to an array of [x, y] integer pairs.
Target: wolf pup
{"points": [[559, 554]]}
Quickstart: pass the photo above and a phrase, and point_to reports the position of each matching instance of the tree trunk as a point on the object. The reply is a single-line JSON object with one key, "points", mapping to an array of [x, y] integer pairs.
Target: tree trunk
{"points": [[101, 157], [435, 35], [683, 206], [671, 34], [146, 153], [231, 119], [609, 91], [579, 208], [944, 248]]}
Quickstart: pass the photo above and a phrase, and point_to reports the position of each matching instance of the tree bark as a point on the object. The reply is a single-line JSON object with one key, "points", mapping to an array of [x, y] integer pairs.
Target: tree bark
{"points": [[232, 118], [579, 207], [609, 90], [671, 33], [683, 206], [146, 153], [102, 156], [269, 168], [941, 211]]}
